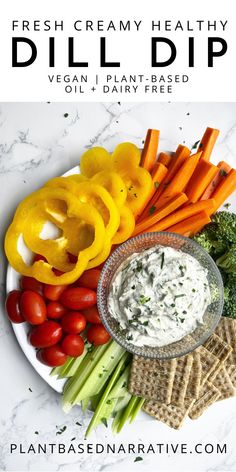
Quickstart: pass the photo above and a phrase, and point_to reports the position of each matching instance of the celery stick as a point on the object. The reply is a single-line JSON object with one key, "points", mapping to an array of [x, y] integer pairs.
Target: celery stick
{"points": [[72, 368], [120, 388], [74, 384], [137, 407], [116, 421], [100, 372], [126, 413], [98, 414], [122, 402], [85, 404], [60, 369]]}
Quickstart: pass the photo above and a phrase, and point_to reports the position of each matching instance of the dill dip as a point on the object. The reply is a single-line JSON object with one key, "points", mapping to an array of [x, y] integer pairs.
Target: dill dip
{"points": [[158, 296]]}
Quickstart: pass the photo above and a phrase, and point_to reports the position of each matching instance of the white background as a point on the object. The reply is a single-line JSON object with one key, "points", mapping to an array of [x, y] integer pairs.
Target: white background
{"points": [[132, 49]]}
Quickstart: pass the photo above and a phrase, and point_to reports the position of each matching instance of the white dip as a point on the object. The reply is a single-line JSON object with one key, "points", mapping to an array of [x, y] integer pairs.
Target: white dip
{"points": [[158, 296]]}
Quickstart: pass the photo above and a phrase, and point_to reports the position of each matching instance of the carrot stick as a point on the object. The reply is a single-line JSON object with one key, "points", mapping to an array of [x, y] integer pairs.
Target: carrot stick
{"points": [[181, 154], [149, 152], [224, 189], [182, 214], [156, 216], [192, 225], [223, 170], [201, 178], [181, 178], [207, 143], [158, 174], [164, 158]]}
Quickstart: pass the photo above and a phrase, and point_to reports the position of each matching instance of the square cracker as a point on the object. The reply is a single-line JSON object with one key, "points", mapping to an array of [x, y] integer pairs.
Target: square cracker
{"points": [[220, 349], [181, 379], [226, 330], [209, 363], [171, 415], [209, 394], [152, 379], [223, 382], [194, 383]]}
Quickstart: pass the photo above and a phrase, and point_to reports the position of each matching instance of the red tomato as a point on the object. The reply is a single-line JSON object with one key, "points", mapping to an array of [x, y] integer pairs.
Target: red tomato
{"points": [[39, 257], [53, 292], [52, 356], [29, 283], [55, 310], [33, 307], [77, 298], [73, 345], [13, 306], [91, 314], [89, 279], [46, 334], [97, 335], [73, 322]]}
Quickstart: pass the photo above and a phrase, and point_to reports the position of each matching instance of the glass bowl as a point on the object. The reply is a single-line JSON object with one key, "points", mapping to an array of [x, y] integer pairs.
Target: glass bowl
{"points": [[212, 314]]}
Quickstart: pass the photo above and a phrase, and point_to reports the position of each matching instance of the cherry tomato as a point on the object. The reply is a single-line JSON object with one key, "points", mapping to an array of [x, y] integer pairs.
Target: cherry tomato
{"points": [[52, 356], [39, 257], [55, 310], [73, 345], [13, 306], [33, 307], [77, 298], [91, 314], [29, 283], [97, 335], [89, 279], [45, 335], [53, 292], [73, 322]]}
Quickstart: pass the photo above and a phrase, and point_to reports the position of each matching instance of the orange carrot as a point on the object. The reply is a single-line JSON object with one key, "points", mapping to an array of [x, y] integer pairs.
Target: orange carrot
{"points": [[181, 178], [181, 154], [182, 214], [149, 152], [224, 189], [158, 174], [207, 143], [192, 225], [201, 178], [164, 158], [223, 170], [156, 216]]}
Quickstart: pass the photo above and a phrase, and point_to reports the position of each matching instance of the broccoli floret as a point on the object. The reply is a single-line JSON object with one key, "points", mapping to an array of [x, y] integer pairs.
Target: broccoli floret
{"points": [[225, 226], [228, 260], [204, 241], [230, 298]]}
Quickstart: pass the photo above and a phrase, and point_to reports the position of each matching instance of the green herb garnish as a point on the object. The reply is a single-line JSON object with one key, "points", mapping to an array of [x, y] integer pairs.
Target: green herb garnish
{"points": [[152, 209], [130, 337], [223, 173], [156, 184], [139, 266], [180, 295], [162, 259], [144, 299], [104, 421], [62, 430], [138, 459], [195, 145]]}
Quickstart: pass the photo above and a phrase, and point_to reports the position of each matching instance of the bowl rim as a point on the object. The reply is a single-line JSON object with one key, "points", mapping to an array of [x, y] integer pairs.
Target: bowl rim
{"points": [[100, 304]]}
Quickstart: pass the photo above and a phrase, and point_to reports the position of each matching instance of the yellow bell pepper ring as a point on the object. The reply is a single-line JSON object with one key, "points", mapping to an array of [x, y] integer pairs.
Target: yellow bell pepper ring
{"points": [[95, 160], [127, 225], [19, 227], [114, 184], [94, 194], [125, 155]]}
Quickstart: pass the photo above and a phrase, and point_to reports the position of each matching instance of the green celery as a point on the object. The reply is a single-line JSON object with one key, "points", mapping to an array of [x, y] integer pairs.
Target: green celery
{"points": [[98, 414], [85, 404], [100, 372], [72, 368], [120, 388], [137, 407], [61, 368], [116, 421], [74, 384], [126, 413], [122, 402]]}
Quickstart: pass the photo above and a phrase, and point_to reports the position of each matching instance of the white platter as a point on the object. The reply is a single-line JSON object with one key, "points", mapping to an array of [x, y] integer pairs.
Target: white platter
{"points": [[21, 330]]}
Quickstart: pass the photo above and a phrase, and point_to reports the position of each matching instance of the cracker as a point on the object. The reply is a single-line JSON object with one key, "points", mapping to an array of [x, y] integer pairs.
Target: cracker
{"points": [[181, 379], [208, 395], [221, 351], [152, 379], [194, 382], [223, 382], [209, 363], [226, 330], [171, 415]]}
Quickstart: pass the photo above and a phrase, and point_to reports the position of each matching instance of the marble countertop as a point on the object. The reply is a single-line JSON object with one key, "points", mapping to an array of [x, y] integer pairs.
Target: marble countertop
{"points": [[37, 142]]}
